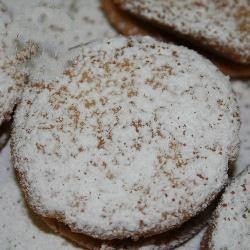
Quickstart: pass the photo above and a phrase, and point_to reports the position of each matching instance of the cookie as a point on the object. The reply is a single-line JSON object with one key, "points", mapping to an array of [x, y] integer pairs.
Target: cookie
{"points": [[25, 229], [230, 226], [59, 28], [128, 24], [155, 122]]}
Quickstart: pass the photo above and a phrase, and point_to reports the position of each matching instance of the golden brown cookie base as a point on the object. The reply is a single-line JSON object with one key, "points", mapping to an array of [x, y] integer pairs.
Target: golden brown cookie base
{"points": [[127, 25], [124, 22], [168, 240]]}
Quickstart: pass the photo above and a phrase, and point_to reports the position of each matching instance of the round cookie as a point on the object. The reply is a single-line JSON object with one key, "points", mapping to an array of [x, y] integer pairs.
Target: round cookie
{"points": [[132, 141], [59, 28], [129, 24], [230, 226]]}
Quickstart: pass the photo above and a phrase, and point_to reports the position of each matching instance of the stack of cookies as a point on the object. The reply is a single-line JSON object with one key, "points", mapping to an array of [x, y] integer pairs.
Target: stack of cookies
{"points": [[131, 147]]}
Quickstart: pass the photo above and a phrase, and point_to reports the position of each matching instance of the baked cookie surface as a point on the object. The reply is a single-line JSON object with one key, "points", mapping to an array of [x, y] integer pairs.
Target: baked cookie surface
{"points": [[230, 227], [222, 26], [132, 141]]}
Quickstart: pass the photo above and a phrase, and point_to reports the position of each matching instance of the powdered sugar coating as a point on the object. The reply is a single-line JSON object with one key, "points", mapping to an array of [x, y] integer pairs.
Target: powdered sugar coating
{"points": [[220, 25], [231, 225], [133, 140], [13, 77], [56, 26], [13, 73], [8, 94]]}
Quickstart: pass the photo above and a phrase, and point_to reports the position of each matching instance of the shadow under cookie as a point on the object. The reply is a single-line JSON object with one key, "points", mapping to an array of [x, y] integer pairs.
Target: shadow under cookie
{"points": [[4, 133]]}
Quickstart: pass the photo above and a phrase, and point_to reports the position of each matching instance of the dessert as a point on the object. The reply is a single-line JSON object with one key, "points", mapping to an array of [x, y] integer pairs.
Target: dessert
{"points": [[132, 141]]}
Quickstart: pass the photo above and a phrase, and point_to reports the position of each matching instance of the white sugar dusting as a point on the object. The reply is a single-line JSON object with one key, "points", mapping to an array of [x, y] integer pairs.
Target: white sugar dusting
{"points": [[133, 139], [58, 27], [9, 92], [222, 25]]}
